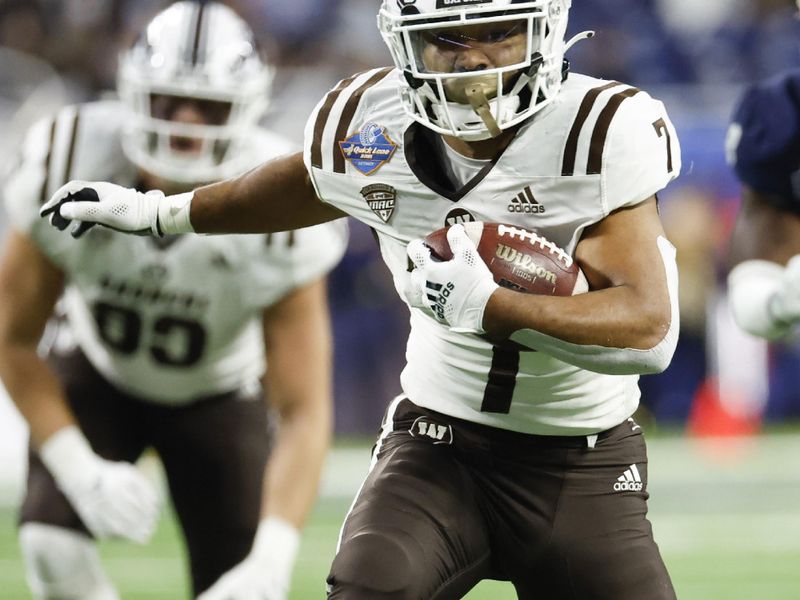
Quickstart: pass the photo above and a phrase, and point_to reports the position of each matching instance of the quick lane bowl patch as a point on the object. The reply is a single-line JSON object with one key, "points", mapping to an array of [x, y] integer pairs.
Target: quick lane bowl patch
{"points": [[369, 149], [381, 199]]}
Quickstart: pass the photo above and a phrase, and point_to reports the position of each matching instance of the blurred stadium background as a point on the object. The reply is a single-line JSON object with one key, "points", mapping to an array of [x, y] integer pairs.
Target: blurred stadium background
{"points": [[722, 420]]}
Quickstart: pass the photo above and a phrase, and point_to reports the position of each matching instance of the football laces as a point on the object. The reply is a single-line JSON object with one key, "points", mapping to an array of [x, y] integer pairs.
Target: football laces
{"points": [[534, 238]]}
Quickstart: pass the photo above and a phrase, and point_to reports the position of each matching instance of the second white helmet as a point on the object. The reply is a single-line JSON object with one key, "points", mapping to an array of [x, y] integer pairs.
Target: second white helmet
{"points": [[200, 51]]}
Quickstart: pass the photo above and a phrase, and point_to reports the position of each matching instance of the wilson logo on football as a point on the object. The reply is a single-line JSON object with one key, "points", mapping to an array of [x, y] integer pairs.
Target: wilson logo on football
{"points": [[524, 202], [524, 264]]}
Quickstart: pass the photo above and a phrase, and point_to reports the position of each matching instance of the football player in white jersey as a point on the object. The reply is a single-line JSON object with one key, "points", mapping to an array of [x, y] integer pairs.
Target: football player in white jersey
{"points": [[172, 334], [505, 461]]}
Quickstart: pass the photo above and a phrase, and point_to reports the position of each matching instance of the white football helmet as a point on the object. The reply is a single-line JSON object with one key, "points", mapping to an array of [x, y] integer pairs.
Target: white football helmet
{"points": [[468, 102], [205, 52]]}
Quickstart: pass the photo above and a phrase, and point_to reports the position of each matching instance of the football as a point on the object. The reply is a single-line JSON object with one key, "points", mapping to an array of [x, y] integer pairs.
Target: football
{"points": [[519, 259]]}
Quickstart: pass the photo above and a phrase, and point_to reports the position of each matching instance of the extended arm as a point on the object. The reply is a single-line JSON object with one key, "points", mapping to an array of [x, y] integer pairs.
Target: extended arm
{"points": [[298, 382], [112, 499], [764, 283], [257, 201], [276, 196]]}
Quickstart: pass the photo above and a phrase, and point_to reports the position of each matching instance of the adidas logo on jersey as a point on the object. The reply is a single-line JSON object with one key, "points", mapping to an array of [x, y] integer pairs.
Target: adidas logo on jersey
{"points": [[524, 202], [629, 481]]}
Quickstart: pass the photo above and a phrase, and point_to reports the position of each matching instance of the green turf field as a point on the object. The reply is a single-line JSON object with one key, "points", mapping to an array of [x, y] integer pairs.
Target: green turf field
{"points": [[727, 520]]}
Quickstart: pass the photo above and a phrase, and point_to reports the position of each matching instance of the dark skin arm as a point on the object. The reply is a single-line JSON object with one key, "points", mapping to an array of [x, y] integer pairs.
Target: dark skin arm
{"points": [[629, 307], [763, 231], [29, 288], [256, 202]]}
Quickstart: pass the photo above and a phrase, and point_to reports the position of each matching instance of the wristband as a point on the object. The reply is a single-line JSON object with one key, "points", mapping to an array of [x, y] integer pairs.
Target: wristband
{"points": [[276, 544], [173, 214], [68, 455], [752, 288]]}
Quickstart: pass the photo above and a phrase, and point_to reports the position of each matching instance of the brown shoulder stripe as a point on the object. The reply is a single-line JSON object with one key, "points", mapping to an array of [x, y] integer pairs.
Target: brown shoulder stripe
{"points": [[48, 158], [72, 142], [595, 164], [571, 149], [347, 116], [322, 119]]}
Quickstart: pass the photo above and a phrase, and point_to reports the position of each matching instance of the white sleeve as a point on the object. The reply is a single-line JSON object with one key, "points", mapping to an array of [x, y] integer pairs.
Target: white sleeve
{"points": [[26, 190], [642, 153], [618, 361]]}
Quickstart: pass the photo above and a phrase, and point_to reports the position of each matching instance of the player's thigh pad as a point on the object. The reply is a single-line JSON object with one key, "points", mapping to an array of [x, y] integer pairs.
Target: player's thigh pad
{"points": [[63, 565], [415, 530]]}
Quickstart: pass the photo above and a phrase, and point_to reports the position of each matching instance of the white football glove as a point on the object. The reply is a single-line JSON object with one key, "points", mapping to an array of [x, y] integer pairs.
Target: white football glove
{"points": [[455, 291], [113, 499], [266, 572], [784, 305], [88, 203]]}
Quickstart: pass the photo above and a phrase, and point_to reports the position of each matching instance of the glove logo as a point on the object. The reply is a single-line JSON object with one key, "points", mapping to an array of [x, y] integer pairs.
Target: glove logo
{"points": [[438, 295]]}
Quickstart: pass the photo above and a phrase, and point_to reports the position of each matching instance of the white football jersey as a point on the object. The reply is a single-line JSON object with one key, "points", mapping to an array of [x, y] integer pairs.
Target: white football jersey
{"points": [[600, 146], [167, 320]]}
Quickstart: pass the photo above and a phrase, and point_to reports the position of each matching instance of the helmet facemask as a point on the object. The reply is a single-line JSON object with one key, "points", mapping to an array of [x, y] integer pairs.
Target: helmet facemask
{"points": [[218, 71], [472, 72]]}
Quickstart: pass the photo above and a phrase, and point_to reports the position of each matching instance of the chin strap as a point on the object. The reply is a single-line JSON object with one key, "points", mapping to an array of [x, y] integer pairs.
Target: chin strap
{"points": [[476, 95]]}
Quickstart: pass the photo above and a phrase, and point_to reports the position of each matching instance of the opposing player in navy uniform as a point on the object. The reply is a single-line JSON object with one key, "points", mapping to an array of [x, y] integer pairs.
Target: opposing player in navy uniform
{"points": [[764, 148], [171, 333], [495, 462]]}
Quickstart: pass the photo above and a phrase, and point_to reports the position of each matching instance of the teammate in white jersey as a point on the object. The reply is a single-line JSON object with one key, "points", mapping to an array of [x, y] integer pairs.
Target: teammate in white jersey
{"points": [[172, 334], [496, 462]]}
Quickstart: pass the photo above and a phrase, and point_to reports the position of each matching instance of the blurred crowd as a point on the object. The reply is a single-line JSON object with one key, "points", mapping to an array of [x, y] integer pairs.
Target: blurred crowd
{"points": [[644, 41], [695, 55]]}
